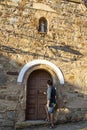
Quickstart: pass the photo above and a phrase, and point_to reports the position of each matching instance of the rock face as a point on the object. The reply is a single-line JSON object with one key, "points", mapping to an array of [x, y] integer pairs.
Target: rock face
{"points": [[64, 43]]}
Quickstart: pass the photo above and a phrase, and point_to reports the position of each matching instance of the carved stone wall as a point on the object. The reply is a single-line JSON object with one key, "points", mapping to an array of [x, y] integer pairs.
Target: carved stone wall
{"points": [[64, 44]]}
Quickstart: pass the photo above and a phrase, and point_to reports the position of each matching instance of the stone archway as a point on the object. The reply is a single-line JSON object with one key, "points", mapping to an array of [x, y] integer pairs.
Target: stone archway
{"points": [[43, 62], [24, 74]]}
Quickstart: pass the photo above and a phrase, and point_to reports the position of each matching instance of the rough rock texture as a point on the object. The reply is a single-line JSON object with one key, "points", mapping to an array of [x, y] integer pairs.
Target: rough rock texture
{"points": [[65, 45]]}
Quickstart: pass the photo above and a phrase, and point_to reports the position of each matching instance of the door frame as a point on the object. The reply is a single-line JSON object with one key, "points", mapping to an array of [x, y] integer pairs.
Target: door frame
{"points": [[56, 74], [43, 62]]}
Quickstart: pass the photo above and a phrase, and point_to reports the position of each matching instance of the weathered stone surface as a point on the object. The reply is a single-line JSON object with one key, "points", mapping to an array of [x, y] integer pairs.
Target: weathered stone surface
{"points": [[3, 78], [65, 45]]}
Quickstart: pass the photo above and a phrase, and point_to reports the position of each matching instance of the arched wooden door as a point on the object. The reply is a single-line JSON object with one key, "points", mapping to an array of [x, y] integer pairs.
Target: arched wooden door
{"points": [[35, 100]]}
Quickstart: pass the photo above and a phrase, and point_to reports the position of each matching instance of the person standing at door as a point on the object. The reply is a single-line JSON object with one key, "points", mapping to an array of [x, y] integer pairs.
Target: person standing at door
{"points": [[51, 100]]}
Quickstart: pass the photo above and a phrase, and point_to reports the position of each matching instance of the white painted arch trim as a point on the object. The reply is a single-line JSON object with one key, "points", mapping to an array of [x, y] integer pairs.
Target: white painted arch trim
{"points": [[37, 62]]}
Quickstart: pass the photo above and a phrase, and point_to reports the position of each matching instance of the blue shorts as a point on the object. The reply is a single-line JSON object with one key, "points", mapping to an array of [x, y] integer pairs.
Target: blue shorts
{"points": [[51, 108]]}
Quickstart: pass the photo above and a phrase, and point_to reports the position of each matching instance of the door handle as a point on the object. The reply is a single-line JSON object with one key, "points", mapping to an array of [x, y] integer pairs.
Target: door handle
{"points": [[39, 92]]}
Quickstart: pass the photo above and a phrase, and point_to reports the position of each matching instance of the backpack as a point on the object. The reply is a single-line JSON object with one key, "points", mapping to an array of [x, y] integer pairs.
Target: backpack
{"points": [[53, 92]]}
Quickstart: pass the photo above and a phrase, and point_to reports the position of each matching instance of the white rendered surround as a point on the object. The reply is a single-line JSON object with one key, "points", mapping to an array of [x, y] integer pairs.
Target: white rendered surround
{"points": [[41, 6], [39, 62]]}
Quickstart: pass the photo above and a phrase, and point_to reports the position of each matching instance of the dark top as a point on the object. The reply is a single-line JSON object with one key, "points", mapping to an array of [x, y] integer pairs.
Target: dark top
{"points": [[51, 93]]}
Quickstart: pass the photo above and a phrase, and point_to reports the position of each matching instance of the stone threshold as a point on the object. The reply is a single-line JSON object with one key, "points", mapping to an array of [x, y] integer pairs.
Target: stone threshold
{"points": [[25, 124]]}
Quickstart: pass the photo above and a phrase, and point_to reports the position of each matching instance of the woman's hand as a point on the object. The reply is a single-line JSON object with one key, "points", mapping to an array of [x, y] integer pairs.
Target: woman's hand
{"points": [[47, 105]]}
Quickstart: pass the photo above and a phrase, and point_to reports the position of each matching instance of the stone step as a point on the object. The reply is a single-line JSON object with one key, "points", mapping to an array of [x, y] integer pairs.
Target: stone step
{"points": [[25, 125]]}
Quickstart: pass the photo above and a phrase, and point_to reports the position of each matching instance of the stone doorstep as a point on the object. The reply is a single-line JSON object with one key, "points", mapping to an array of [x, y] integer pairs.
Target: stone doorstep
{"points": [[25, 124]]}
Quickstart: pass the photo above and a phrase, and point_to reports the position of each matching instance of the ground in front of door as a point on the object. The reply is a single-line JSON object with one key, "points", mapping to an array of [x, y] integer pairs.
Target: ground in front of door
{"points": [[68, 126]]}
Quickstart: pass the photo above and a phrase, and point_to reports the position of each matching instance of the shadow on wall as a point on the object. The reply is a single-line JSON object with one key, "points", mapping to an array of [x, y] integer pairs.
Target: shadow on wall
{"points": [[55, 50], [11, 68], [2, 0], [71, 106], [73, 54], [72, 96], [19, 51], [66, 48]]}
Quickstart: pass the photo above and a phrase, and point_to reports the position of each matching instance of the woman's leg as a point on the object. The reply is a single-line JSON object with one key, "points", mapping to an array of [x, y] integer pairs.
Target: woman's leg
{"points": [[52, 119], [47, 114]]}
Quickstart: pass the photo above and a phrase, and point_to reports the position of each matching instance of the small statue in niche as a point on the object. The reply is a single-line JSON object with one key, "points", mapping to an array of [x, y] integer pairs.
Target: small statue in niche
{"points": [[42, 27]]}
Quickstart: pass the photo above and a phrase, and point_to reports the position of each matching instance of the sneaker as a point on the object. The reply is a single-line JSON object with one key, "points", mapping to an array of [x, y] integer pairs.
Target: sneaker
{"points": [[51, 127]]}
